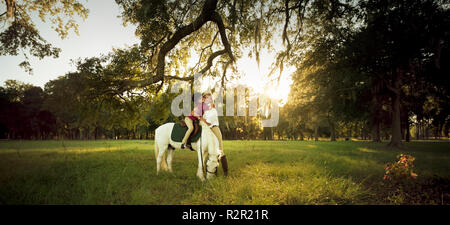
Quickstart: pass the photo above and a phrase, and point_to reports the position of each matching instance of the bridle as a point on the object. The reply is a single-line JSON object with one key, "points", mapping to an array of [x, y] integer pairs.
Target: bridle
{"points": [[203, 165], [215, 170]]}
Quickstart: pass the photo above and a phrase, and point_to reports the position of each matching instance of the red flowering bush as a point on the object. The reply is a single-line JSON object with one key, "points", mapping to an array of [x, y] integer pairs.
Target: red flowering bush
{"points": [[400, 170], [401, 186]]}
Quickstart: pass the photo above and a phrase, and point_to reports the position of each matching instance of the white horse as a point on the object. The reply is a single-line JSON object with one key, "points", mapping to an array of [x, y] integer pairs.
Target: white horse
{"points": [[208, 144]]}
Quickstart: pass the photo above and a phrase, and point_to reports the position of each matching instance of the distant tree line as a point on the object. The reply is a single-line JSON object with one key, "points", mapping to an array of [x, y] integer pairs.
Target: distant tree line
{"points": [[70, 107], [60, 111]]}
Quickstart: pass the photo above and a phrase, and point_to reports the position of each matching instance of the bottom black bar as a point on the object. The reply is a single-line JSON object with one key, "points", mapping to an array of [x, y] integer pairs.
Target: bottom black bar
{"points": [[204, 214]]}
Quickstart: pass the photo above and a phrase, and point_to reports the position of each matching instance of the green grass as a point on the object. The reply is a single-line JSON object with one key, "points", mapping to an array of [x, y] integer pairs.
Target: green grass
{"points": [[261, 172]]}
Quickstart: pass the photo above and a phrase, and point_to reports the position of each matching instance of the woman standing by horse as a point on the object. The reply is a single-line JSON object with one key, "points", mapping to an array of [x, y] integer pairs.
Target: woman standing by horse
{"points": [[212, 120]]}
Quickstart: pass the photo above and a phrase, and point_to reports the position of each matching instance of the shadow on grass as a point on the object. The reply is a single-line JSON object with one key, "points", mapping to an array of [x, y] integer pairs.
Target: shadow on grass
{"points": [[363, 163]]}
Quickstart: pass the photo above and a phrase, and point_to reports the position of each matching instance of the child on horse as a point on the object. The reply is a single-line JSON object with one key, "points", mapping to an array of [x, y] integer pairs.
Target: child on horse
{"points": [[197, 113]]}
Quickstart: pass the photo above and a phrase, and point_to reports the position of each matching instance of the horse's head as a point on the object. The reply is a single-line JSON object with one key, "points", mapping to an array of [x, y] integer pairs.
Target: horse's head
{"points": [[212, 164], [212, 146], [211, 169]]}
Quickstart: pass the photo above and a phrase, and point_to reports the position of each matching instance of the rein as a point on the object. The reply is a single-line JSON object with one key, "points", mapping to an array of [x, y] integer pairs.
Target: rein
{"points": [[201, 153]]}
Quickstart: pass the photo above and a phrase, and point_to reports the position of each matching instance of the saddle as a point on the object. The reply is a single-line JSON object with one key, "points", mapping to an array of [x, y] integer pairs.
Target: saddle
{"points": [[179, 129]]}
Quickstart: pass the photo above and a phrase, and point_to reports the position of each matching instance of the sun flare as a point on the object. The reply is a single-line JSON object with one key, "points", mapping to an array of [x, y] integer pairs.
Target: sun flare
{"points": [[257, 77]]}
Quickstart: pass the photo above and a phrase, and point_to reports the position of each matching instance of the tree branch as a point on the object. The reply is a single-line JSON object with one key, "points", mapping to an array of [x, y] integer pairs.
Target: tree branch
{"points": [[10, 8], [203, 50], [180, 78], [286, 24], [392, 89], [205, 16], [225, 68], [208, 14], [218, 20], [210, 60]]}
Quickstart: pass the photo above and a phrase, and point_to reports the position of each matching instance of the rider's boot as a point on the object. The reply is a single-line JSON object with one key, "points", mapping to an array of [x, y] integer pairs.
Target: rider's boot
{"points": [[224, 162], [188, 144]]}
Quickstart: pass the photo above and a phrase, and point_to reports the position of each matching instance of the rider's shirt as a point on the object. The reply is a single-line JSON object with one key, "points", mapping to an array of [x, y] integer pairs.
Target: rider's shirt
{"points": [[211, 117], [198, 111]]}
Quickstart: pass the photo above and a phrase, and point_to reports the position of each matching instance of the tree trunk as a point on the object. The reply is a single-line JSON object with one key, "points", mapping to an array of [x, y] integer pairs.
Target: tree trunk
{"points": [[403, 131], [316, 133], [349, 132], [96, 133], [408, 133], [396, 140], [332, 130], [375, 111], [362, 131], [301, 136], [417, 131]]}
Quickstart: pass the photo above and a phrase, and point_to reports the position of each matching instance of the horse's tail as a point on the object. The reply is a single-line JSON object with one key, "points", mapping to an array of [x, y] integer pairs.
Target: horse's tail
{"points": [[163, 161]]}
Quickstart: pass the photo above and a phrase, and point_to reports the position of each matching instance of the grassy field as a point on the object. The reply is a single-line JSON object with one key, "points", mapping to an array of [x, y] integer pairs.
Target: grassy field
{"points": [[261, 172]]}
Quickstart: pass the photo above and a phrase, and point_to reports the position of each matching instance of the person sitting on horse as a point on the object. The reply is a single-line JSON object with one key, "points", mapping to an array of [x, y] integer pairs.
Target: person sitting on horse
{"points": [[197, 113]]}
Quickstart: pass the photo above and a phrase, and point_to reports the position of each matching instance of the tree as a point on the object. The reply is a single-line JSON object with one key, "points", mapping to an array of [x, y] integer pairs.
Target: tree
{"points": [[172, 31], [21, 112], [407, 35], [162, 28], [327, 88], [371, 57], [86, 110], [21, 35]]}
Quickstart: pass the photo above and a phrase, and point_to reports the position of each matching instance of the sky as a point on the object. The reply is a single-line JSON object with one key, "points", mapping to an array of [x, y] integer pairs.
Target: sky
{"points": [[102, 31]]}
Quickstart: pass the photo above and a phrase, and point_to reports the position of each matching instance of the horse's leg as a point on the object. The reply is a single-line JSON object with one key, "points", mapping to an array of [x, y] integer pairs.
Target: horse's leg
{"points": [[161, 159], [205, 148], [169, 159], [205, 158], [158, 163], [200, 165]]}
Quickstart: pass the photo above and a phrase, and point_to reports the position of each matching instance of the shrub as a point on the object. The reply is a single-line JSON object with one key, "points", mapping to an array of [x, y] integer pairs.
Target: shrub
{"points": [[400, 171]]}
